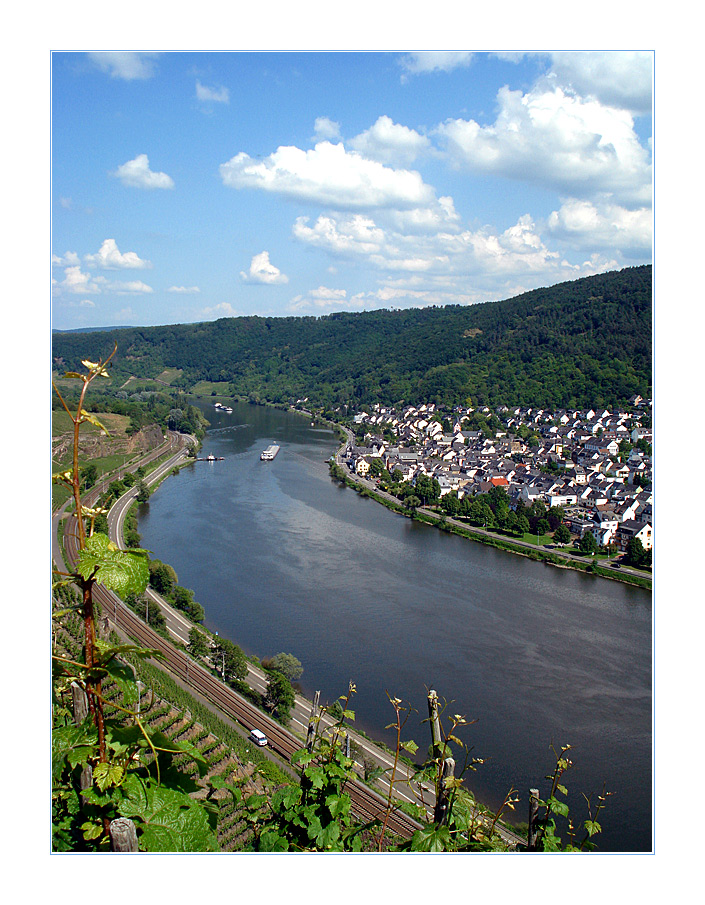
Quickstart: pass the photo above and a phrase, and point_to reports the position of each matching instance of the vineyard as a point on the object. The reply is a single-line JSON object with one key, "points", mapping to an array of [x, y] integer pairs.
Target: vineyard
{"points": [[165, 707]]}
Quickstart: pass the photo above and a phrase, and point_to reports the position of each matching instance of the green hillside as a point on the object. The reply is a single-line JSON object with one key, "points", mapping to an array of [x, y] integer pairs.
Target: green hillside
{"points": [[585, 342]]}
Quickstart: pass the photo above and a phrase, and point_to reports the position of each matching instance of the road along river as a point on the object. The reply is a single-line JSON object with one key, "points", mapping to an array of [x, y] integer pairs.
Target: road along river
{"points": [[284, 559]]}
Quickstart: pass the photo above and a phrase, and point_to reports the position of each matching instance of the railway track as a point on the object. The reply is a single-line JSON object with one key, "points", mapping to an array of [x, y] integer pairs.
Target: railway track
{"points": [[366, 804]]}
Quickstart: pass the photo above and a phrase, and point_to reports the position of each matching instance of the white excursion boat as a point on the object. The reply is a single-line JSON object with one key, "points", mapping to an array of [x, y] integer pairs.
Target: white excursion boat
{"points": [[269, 453]]}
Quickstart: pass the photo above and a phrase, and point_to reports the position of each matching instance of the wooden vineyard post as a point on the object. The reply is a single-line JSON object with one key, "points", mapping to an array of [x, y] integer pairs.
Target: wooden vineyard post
{"points": [[446, 765], [123, 835], [310, 735], [533, 815], [80, 712], [80, 703]]}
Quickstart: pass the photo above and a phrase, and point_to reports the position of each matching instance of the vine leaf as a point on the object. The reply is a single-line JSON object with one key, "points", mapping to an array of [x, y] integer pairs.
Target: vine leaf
{"points": [[168, 820], [123, 571], [106, 775]]}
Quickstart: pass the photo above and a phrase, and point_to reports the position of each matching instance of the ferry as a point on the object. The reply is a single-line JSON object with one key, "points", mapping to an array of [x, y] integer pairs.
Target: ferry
{"points": [[269, 453]]}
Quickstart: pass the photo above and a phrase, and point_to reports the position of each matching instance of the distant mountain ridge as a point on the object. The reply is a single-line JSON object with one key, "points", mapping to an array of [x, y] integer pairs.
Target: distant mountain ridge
{"points": [[86, 330], [581, 343]]}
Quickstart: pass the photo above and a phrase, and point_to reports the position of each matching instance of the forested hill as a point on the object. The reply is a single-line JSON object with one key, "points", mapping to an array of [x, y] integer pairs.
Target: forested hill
{"points": [[576, 344]]}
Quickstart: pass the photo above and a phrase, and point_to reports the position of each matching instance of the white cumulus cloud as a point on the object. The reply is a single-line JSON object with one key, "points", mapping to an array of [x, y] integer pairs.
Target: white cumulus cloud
{"points": [[109, 257], [70, 259], [550, 137], [76, 281], [584, 225], [125, 64], [219, 95], [616, 78], [322, 297], [325, 128], [136, 174], [328, 175], [224, 309], [263, 271], [390, 142], [184, 290], [132, 287], [435, 60], [353, 235]]}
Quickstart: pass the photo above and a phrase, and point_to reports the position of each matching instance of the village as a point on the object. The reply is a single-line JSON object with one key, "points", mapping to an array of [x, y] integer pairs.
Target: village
{"points": [[596, 464]]}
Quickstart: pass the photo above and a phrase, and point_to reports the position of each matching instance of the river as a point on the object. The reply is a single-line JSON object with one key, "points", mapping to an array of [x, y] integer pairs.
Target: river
{"points": [[284, 559]]}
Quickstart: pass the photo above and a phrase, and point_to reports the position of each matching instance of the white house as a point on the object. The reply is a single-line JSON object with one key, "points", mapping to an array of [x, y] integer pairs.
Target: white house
{"points": [[641, 530]]}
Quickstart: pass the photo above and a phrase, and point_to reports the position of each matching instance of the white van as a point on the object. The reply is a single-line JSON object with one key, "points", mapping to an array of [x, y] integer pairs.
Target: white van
{"points": [[259, 738]]}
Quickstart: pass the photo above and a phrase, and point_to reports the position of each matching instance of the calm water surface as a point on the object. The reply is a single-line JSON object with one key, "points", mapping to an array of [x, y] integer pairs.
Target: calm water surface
{"points": [[283, 559]]}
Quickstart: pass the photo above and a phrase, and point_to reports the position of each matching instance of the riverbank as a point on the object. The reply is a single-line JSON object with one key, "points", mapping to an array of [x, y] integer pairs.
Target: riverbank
{"points": [[482, 536], [562, 560]]}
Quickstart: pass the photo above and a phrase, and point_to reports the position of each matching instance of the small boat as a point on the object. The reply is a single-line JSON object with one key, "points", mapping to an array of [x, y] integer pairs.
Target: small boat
{"points": [[210, 458], [269, 453]]}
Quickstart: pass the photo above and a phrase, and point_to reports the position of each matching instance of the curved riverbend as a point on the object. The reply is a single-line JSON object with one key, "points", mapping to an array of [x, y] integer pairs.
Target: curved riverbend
{"points": [[283, 558]]}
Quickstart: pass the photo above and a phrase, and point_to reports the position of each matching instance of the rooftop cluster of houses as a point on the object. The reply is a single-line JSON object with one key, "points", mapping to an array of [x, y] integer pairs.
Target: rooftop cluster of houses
{"points": [[611, 498]]}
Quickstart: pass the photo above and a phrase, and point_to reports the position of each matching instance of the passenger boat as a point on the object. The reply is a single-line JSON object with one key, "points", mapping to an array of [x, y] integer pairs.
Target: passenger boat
{"points": [[269, 453]]}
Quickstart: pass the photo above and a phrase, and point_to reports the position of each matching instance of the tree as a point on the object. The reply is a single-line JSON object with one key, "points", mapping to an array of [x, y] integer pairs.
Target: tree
{"points": [[198, 645], [636, 554], [588, 543], [555, 516], [175, 419], [480, 512], [451, 504], [229, 660], [644, 446], [142, 492], [89, 474], [428, 489], [523, 525], [376, 467], [279, 696], [183, 600], [162, 577], [543, 526], [561, 535], [625, 447], [287, 664], [412, 502]]}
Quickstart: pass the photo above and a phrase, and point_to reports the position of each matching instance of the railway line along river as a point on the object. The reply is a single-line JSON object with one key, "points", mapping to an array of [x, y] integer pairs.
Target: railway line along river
{"points": [[284, 559]]}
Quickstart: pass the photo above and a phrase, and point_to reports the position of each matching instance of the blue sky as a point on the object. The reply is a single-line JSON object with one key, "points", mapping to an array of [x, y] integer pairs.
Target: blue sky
{"points": [[192, 186]]}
